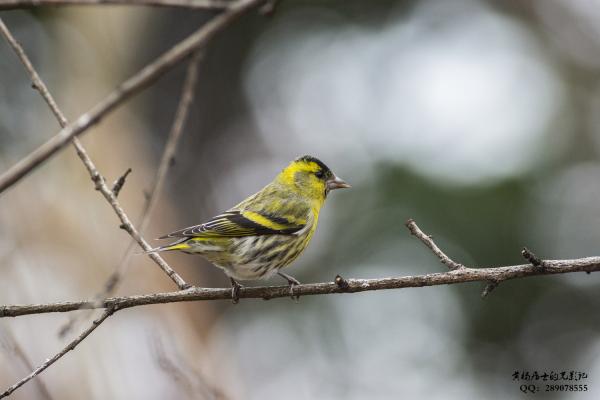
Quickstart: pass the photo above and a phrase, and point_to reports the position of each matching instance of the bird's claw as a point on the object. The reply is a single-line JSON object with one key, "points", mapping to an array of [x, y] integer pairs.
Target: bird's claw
{"points": [[291, 282], [294, 297], [235, 291]]}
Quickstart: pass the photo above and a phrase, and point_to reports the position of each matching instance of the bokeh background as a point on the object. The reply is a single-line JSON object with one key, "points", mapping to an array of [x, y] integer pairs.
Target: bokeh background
{"points": [[479, 119]]}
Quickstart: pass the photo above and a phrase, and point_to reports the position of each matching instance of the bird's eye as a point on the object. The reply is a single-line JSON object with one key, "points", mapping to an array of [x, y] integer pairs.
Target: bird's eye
{"points": [[320, 174]]}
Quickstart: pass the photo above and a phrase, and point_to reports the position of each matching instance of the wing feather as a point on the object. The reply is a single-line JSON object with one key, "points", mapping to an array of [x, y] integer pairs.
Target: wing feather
{"points": [[236, 223]]}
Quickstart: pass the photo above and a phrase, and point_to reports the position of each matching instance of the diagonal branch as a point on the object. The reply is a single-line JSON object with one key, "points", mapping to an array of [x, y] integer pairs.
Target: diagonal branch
{"points": [[118, 185], [190, 4], [107, 313], [146, 76], [99, 181], [532, 258], [428, 241], [13, 346], [341, 285], [166, 161], [140, 80]]}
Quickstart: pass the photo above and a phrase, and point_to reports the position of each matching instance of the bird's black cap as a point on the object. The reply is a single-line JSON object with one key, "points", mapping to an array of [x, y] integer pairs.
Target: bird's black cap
{"points": [[320, 163]]}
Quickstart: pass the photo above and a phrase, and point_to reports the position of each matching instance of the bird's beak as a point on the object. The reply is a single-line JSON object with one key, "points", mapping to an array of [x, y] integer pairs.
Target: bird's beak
{"points": [[336, 183]]}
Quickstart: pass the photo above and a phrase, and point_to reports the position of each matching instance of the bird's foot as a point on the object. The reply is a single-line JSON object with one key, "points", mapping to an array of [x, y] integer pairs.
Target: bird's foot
{"points": [[235, 291], [292, 282]]}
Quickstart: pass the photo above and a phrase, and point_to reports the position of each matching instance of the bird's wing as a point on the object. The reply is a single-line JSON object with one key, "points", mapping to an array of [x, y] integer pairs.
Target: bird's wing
{"points": [[236, 223]]}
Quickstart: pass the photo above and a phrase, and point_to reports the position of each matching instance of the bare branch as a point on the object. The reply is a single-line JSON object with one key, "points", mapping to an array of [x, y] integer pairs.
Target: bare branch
{"points": [[426, 239], [98, 180], [167, 158], [142, 79], [168, 155], [69, 133], [489, 288], [191, 4], [107, 313], [341, 282], [13, 345], [532, 258], [341, 285], [118, 185], [462, 275]]}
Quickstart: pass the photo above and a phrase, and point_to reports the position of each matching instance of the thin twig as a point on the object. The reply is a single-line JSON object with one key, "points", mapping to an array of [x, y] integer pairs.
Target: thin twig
{"points": [[140, 80], [118, 185], [191, 4], [532, 258], [168, 155], [463, 275], [107, 313], [426, 239], [98, 180], [14, 346], [341, 285], [491, 285]]}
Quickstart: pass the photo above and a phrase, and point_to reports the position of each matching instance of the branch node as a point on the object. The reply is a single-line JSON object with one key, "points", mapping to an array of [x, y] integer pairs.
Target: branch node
{"points": [[118, 184], [428, 241], [532, 258], [110, 310], [491, 285], [342, 283], [69, 133], [98, 180]]}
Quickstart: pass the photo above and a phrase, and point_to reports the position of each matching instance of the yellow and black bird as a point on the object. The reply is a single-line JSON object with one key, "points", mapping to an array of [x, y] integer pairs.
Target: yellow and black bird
{"points": [[267, 231]]}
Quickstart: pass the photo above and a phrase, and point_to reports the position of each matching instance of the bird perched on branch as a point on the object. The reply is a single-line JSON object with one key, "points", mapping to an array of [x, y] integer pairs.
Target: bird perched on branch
{"points": [[267, 231]]}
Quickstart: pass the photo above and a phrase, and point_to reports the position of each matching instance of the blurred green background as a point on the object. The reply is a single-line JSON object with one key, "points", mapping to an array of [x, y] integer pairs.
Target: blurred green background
{"points": [[479, 119]]}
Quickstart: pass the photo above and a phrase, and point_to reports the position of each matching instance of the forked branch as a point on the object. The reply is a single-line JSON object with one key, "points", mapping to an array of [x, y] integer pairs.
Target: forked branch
{"points": [[340, 285], [140, 80], [457, 272], [69, 133], [110, 194]]}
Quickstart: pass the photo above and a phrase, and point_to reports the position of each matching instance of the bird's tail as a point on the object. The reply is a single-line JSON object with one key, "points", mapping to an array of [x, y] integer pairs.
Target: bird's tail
{"points": [[179, 245]]}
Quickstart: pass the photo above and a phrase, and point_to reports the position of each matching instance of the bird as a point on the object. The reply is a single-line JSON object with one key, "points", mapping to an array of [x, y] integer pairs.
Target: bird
{"points": [[265, 232]]}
